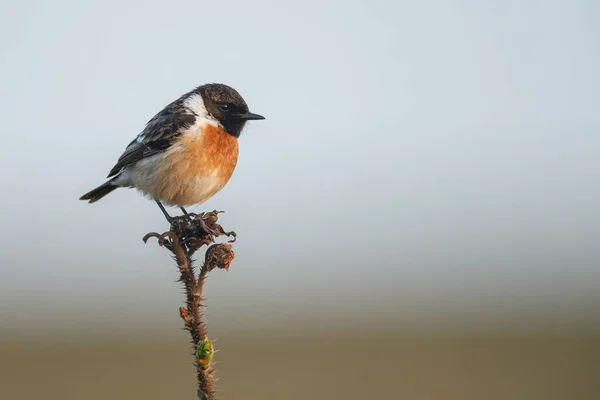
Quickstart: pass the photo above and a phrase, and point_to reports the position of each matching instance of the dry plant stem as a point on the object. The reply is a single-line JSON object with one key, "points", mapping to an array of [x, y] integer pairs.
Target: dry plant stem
{"points": [[183, 240]]}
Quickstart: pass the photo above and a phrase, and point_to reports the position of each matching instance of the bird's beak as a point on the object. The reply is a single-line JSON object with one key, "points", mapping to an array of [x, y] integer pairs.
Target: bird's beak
{"points": [[250, 116]]}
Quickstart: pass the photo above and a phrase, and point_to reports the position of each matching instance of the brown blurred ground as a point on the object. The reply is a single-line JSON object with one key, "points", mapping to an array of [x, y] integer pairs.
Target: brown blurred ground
{"points": [[333, 365]]}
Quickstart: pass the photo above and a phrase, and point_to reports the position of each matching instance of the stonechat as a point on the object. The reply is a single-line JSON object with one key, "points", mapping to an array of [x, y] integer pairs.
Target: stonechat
{"points": [[186, 153]]}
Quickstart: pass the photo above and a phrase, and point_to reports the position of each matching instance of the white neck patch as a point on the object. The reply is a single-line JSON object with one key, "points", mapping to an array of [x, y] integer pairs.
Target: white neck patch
{"points": [[195, 104]]}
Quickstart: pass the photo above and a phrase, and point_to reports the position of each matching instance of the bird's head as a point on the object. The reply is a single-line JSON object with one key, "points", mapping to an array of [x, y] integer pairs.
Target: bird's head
{"points": [[226, 105]]}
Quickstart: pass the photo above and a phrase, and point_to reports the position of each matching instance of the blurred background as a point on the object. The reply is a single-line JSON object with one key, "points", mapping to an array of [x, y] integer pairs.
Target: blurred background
{"points": [[417, 217]]}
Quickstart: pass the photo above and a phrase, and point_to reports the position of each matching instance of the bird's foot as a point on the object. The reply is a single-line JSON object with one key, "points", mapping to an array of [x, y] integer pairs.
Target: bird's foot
{"points": [[196, 228], [189, 215]]}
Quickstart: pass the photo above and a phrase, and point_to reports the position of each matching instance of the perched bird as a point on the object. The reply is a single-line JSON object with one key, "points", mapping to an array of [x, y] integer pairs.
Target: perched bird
{"points": [[186, 153]]}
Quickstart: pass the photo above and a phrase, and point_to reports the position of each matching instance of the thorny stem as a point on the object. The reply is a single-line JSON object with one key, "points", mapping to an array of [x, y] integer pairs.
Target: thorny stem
{"points": [[183, 240]]}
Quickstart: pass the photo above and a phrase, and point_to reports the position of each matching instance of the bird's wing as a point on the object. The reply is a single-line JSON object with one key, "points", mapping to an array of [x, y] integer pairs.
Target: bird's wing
{"points": [[157, 136]]}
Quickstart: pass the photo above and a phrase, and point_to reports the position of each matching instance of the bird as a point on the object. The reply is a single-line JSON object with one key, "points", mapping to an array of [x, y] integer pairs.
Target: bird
{"points": [[186, 153]]}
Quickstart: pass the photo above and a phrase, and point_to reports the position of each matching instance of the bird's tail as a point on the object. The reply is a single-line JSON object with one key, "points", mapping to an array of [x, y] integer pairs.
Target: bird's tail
{"points": [[99, 192]]}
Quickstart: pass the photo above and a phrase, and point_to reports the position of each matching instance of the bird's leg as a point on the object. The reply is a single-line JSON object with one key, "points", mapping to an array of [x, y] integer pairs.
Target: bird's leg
{"points": [[167, 216]]}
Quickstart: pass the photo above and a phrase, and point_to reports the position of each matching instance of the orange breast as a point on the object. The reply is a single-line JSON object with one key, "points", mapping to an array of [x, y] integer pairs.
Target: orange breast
{"points": [[197, 166]]}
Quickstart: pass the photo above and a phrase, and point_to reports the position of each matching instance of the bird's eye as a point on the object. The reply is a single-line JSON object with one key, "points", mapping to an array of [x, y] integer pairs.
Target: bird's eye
{"points": [[224, 107]]}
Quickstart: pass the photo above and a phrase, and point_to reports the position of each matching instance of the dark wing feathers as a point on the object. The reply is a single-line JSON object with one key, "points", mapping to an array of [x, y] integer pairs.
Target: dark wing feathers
{"points": [[158, 135]]}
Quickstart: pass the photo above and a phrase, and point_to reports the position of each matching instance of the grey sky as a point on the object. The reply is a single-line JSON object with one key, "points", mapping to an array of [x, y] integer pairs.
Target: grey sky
{"points": [[415, 155]]}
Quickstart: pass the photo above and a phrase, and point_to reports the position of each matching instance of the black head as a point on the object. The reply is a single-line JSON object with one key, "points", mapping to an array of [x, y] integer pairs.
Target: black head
{"points": [[227, 106]]}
